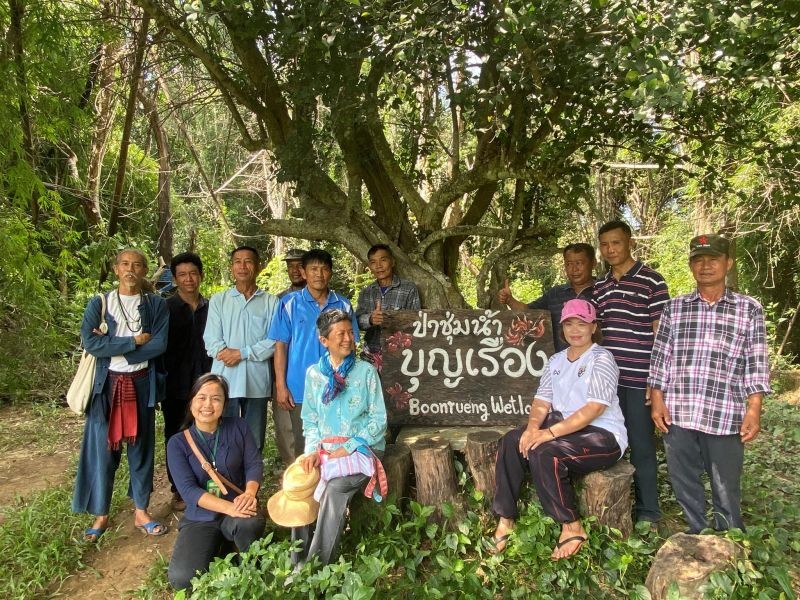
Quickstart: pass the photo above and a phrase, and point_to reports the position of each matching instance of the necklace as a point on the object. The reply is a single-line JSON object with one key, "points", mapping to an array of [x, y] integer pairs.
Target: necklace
{"points": [[135, 325]]}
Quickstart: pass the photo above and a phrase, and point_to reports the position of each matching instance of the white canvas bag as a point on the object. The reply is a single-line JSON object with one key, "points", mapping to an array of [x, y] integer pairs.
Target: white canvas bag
{"points": [[80, 391]]}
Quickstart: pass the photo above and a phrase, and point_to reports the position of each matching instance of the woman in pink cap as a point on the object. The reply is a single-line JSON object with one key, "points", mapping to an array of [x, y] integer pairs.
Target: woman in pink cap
{"points": [[575, 427]]}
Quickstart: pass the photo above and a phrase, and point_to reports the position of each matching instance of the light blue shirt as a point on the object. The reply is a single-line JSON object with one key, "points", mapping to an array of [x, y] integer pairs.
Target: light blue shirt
{"points": [[357, 411], [234, 322], [295, 325]]}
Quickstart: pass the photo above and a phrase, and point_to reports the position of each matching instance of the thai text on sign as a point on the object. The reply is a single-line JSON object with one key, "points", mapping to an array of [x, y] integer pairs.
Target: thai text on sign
{"points": [[463, 367]]}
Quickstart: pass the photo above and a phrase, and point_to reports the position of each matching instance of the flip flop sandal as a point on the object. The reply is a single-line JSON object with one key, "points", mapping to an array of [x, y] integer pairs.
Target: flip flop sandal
{"points": [[97, 532], [152, 528], [574, 538], [492, 545]]}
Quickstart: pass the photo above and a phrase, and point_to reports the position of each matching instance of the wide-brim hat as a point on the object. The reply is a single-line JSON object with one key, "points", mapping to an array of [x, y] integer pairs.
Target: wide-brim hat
{"points": [[294, 505]]}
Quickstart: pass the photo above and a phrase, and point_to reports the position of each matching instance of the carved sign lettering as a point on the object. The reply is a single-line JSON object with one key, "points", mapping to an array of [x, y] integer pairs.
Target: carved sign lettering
{"points": [[463, 367]]}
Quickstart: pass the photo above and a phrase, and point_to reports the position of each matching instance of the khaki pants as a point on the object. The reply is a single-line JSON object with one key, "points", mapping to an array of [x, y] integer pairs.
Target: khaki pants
{"points": [[288, 432]]}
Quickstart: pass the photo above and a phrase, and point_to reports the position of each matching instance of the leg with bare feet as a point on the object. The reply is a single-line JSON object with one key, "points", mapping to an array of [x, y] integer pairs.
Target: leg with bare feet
{"points": [[572, 537], [504, 528]]}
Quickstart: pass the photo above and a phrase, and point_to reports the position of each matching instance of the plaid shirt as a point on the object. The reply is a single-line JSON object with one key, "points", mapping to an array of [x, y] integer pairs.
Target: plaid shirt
{"points": [[707, 359], [400, 295]]}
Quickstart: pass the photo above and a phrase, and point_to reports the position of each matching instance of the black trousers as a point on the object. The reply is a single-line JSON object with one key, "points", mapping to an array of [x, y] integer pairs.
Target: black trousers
{"points": [[199, 542], [691, 452], [174, 409], [550, 466]]}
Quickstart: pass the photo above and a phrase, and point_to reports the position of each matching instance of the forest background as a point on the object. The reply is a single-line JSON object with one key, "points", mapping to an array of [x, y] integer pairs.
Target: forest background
{"points": [[475, 138]]}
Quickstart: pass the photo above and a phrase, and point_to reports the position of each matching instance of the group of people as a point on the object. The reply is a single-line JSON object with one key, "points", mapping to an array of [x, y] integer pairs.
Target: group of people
{"points": [[695, 367], [629, 360], [213, 366]]}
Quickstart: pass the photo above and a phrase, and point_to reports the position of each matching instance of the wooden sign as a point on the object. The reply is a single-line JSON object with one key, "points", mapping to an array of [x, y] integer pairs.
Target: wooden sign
{"points": [[463, 367]]}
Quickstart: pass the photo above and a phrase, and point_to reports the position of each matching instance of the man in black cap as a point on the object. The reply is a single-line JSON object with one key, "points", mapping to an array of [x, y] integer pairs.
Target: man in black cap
{"points": [[709, 372], [294, 268]]}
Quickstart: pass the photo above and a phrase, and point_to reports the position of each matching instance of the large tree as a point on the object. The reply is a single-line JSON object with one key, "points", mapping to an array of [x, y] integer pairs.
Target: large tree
{"points": [[421, 124]]}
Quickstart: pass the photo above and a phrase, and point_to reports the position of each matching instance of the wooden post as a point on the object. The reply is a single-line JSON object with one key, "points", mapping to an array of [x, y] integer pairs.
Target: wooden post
{"points": [[436, 475], [481, 452], [397, 464], [607, 496]]}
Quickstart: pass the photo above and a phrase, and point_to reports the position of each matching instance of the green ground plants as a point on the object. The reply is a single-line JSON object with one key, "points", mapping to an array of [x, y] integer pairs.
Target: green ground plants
{"points": [[399, 552]]}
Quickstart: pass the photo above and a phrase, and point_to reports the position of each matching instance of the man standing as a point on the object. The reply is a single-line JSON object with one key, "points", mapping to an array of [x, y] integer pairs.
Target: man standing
{"points": [[294, 265], [387, 292], [629, 302], [185, 359], [297, 347], [708, 375], [579, 262], [236, 338], [122, 408]]}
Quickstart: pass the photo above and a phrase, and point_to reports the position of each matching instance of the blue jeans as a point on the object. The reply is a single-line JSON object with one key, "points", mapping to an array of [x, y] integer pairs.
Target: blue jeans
{"points": [[254, 412]]}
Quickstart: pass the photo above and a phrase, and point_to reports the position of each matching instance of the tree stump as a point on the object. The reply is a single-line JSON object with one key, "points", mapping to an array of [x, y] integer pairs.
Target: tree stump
{"points": [[688, 562], [481, 452], [436, 475], [397, 464], [607, 496]]}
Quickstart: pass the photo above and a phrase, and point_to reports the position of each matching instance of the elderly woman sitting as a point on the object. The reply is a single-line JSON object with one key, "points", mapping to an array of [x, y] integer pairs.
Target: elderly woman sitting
{"points": [[575, 427], [343, 413]]}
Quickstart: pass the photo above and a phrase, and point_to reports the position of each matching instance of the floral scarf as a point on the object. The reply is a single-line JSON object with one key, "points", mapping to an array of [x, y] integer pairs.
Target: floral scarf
{"points": [[336, 377]]}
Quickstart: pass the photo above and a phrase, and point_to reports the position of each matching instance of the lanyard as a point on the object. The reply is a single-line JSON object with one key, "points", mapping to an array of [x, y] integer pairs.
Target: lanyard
{"points": [[212, 452]]}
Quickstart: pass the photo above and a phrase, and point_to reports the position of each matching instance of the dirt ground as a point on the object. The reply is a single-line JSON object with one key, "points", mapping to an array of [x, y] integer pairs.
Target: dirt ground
{"points": [[122, 563], [33, 461]]}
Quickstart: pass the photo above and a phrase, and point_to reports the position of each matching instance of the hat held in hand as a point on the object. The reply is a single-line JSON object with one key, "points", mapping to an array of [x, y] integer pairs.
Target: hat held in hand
{"points": [[294, 505]]}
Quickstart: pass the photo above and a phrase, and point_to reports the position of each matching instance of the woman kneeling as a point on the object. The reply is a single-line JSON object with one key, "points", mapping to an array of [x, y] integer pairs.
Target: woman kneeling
{"points": [[575, 427], [214, 513]]}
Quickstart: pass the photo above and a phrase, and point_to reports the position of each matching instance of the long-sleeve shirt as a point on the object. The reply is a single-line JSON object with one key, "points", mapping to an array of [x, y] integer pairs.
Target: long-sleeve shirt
{"points": [[237, 458], [234, 322], [400, 295], [186, 358], [295, 325], [707, 359], [357, 411], [627, 309], [155, 321]]}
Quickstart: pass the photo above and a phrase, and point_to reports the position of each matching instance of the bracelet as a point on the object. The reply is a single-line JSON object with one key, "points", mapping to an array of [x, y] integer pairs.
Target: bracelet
{"points": [[551, 432]]}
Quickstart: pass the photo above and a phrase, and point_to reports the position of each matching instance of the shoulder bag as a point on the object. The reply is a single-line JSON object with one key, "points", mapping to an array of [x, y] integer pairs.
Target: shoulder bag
{"points": [[80, 391]]}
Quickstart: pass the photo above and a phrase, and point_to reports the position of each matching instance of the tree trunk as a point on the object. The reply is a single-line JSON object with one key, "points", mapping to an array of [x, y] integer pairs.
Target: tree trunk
{"points": [[436, 475], [397, 464], [130, 112], [15, 31], [104, 106], [163, 197], [481, 452], [607, 496]]}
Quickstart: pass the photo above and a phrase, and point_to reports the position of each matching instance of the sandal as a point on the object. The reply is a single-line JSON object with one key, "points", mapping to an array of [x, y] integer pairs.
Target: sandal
{"points": [[575, 538], [493, 545], [93, 534], [153, 528]]}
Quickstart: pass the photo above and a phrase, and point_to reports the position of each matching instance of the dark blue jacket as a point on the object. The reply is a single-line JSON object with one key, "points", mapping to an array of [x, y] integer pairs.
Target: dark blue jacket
{"points": [[238, 459], [155, 321]]}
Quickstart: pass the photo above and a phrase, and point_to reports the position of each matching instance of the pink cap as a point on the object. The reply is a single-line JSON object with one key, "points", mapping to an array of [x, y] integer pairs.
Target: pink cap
{"points": [[580, 309]]}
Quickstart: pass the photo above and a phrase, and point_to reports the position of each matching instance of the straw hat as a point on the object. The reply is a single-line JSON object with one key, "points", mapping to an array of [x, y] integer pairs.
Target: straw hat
{"points": [[294, 505]]}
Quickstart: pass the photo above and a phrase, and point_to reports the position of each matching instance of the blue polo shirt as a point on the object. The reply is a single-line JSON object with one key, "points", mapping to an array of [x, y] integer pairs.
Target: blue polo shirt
{"points": [[295, 324]]}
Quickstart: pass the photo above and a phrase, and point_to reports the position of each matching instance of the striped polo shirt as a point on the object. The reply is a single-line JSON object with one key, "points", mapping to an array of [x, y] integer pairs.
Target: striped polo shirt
{"points": [[627, 309]]}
